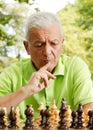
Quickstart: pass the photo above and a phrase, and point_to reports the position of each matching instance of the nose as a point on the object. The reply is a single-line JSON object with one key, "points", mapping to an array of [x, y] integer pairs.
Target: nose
{"points": [[47, 50]]}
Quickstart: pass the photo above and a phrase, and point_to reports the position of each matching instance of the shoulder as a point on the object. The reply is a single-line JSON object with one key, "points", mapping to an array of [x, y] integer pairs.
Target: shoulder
{"points": [[73, 60], [75, 65], [16, 67]]}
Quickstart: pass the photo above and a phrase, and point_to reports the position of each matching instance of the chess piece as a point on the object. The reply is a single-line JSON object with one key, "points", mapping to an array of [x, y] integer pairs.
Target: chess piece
{"points": [[62, 115], [5, 116], [86, 117], [54, 118], [29, 112], [68, 116], [74, 119], [41, 106], [17, 116], [12, 119], [90, 122], [2, 116], [45, 115], [80, 117]]}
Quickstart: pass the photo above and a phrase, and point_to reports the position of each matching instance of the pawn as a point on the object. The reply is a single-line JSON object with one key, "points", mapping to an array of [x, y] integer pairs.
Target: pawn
{"points": [[12, 119], [29, 112], [2, 118], [90, 122], [74, 119]]}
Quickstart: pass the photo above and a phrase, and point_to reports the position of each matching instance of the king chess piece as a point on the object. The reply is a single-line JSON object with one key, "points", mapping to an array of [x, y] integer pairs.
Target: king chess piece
{"points": [[29, 117], [12, 119], [62, 115], [2, 121], [45, 116]]}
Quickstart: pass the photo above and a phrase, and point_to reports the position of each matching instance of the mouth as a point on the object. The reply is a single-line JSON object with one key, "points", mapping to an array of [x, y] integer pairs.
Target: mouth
{"points": [[47, 61]]}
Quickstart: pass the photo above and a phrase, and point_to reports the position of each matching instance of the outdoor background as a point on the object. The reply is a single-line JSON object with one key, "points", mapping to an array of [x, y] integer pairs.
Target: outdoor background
{"points": [[77, 24]]}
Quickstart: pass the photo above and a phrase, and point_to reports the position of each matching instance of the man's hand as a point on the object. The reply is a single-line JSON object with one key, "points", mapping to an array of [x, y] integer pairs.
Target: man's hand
{"points": [[39, 80]]}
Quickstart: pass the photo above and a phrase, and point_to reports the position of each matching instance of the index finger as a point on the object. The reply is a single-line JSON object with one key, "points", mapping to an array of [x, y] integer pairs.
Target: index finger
{"points": [[46, 66]]}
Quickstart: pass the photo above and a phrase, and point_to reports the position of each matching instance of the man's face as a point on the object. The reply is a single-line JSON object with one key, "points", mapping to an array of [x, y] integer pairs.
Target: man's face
{"points": [[45, 45]]}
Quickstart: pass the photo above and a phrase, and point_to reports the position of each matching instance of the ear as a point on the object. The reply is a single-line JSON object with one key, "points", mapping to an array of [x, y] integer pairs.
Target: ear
{"points": [[26, 45], [62, 40]]}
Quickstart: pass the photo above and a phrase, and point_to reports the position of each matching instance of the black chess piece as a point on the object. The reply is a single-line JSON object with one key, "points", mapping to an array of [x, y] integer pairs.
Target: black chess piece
{"points": [[2, 122], [12, 119], [62, 115], [90, 122], [45, 115], [43, 118], [29, 118], [74, 119], [80, 117], [90, 114]]}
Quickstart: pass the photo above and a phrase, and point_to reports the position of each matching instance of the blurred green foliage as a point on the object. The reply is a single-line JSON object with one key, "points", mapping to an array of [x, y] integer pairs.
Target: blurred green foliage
{"points": [[78, 34], [85, 8]]}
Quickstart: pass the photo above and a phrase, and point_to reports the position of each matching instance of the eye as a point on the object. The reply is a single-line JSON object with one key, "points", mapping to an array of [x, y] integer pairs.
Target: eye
{"points": [[38, 44], [54, 43]]}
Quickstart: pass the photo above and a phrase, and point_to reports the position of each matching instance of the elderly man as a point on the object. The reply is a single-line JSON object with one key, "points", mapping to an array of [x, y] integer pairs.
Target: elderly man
{"points": [[47, 74]]}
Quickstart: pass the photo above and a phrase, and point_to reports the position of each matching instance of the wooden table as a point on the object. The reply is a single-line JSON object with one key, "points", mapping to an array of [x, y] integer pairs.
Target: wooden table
{"points": [[36, 127]]}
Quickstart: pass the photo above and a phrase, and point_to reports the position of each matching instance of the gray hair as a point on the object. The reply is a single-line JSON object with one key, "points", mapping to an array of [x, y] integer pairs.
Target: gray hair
{"points": [[41, 20]]}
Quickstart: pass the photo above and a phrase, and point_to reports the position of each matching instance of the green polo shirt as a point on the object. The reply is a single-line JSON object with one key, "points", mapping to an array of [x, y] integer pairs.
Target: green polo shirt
{"points": [[73, 82]]}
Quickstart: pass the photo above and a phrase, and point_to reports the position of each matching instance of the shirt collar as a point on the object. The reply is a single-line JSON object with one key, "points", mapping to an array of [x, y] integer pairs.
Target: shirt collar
{"points": [[59, 70]]}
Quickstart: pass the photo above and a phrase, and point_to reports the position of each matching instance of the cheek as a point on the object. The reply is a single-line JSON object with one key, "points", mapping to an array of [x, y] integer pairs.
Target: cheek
{"points": [[58, 51], [36, 54]]}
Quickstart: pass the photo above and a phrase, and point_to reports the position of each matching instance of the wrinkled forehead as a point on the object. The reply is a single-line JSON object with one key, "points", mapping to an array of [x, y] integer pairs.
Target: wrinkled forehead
{"points": [[49, 31]]}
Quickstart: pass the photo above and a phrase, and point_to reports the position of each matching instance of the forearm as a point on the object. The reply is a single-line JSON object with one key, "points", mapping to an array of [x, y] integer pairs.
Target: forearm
{"points": [[88, 106], [14, 98]]}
